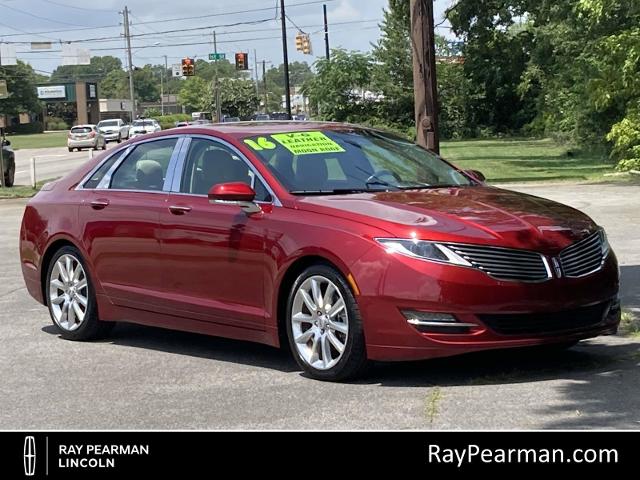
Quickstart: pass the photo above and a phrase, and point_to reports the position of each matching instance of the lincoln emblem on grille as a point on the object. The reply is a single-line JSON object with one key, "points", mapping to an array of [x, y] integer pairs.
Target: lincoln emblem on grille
{"points": [[556, 267]]}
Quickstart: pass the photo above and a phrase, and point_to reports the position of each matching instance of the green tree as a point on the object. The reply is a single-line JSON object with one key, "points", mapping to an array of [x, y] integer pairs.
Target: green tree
{"points": [[238, 98], [336, 91], [196, 94], [393, 70], [21, 80]]}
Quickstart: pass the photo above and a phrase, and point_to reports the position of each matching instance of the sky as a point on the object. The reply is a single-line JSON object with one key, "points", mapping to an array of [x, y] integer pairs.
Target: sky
{"points": [[98, 24]]}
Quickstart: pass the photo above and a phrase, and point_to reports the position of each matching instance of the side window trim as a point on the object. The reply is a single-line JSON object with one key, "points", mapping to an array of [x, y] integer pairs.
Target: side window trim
{"points": [[122, 152], [181, 162], [106, 180]]}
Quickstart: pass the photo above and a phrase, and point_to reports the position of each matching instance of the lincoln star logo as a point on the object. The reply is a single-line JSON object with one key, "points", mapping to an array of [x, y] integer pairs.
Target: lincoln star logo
{"points": [[29, 456], [557, 267]]}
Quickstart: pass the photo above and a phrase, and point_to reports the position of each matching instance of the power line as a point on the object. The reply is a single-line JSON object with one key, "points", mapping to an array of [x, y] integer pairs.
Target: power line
{"points": [[293, 5], [38, 16], [78, 8]]}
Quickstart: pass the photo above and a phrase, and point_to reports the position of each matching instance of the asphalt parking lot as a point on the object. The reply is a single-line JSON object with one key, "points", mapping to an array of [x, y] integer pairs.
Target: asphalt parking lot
{"points": [[147, 378], [50, 162]]}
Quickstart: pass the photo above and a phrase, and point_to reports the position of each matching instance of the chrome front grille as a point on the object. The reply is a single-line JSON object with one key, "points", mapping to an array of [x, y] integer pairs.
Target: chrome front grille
{"points": [[505, 263], [584, 257]]}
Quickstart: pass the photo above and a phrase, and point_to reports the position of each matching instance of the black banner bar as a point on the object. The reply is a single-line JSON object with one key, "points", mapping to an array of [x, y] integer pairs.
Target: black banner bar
{"points": [[92, 455]]}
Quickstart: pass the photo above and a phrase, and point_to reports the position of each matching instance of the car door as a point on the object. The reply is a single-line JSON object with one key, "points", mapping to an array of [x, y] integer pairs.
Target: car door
{"points": [[120, 215], [213, 255]]}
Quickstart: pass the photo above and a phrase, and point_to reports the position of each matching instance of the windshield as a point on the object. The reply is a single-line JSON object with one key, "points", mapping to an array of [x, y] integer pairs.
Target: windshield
{"points": [[108, 123], [351, 160], [143, 123]]}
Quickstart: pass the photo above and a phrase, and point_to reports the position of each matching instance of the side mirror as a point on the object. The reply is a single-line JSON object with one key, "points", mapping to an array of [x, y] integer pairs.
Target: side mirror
{"points": [[476, 174], [236, 193]]}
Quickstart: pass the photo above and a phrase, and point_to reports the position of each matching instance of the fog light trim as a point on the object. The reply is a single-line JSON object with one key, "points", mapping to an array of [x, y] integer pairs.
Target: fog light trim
{"points": [[437, 320]]}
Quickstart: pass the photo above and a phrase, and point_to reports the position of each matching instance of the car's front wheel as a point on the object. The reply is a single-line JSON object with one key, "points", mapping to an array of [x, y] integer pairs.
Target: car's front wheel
{"points": [[324, 326], [9, 178], [71, 298]]}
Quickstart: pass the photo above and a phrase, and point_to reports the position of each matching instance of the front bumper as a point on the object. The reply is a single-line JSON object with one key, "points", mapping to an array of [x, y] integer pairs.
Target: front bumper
{"points": [[111, 136], [402, 283]]}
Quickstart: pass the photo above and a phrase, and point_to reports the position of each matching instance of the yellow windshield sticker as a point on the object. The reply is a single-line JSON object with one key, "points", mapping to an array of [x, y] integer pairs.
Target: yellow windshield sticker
{"points": [[306, 143], [261, 143]]}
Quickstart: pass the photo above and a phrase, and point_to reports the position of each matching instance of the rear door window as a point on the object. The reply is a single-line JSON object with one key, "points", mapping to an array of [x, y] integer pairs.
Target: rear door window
{"points": [[146, 167]]}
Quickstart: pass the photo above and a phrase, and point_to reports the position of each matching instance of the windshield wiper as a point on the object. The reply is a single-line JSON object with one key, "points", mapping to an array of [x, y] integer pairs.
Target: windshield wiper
{"points": [[336, 191]]}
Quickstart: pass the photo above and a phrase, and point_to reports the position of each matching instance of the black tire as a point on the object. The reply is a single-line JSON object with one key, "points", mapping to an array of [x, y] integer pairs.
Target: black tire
{"points": [[354, 358], [10, 178], [71, 149], [119, 139], [104, 146], [91, 328]]}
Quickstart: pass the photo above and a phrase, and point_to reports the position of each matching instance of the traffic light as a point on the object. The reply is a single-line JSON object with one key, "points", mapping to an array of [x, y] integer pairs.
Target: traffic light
{"points": [[242, 61], [303, 43], [306, 45], [188, 67], [299, 41]]}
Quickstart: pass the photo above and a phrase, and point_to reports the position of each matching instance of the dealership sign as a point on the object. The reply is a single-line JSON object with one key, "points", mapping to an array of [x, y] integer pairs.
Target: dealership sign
{"points": [[57, 91]]}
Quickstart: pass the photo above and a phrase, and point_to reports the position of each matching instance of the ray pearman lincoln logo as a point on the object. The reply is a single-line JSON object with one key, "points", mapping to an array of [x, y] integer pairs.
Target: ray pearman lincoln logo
{"points": [[29, 456], [96, 456]]}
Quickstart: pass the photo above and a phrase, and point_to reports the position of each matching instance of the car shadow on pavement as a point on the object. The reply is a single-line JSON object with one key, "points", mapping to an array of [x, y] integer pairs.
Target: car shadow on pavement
{"points": [[196, 345]]}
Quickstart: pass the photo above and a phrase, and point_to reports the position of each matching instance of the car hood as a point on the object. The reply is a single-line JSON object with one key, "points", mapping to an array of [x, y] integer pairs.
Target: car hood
{"points": [[109, 129], [479, 214]]}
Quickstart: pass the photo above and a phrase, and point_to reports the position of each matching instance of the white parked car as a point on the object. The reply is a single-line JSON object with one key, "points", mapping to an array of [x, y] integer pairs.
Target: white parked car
{"points": [[144, 126], [85, 136], [114, 130]]}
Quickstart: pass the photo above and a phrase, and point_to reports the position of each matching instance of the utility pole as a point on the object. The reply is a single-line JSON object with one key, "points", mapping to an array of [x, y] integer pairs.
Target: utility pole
{"points": [[285, 54], [255, 68], [216, 86], [326, 32], [424, 74], [127, 36], [162, 79], [264, 81]]}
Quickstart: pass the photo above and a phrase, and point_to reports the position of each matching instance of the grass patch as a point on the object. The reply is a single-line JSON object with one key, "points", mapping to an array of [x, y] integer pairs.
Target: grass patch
{"points": [[518, 160], [431, 406], [38, 140], [630, 324], [22, 191]]}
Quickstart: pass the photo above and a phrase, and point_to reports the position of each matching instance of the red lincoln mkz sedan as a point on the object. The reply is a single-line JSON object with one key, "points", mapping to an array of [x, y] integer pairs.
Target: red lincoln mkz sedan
{"points": [[346, 243]]}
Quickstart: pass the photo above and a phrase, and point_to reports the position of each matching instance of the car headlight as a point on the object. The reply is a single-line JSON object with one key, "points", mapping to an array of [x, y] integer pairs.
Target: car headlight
{"points": [[423, 249], [606, 248]]}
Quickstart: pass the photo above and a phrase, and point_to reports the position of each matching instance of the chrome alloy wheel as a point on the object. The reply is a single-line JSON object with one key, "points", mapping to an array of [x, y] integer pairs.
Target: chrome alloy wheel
{"points": [[319, 322], [68, 293]]}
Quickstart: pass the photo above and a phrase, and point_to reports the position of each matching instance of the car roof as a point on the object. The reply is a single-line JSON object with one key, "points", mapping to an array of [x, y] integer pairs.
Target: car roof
{"points": [[249, 129], [85, 125]]}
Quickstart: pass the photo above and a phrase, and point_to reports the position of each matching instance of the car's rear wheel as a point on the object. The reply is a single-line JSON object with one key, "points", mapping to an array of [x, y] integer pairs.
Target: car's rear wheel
{"points": [[70, 149], [71, 298], [324, 326]]}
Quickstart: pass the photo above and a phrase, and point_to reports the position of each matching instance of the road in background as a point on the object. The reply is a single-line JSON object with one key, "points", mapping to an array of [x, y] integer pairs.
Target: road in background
{"points": [[50, 162], [149, 378]]}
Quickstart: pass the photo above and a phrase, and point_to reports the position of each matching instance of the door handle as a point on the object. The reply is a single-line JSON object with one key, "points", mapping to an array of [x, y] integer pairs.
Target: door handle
{"points": [[99, 204], [179, 209]]}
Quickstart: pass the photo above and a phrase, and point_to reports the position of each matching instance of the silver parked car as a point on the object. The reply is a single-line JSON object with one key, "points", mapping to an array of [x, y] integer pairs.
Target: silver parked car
{"points": [[115, 130], [85, 136], [144, 126]]}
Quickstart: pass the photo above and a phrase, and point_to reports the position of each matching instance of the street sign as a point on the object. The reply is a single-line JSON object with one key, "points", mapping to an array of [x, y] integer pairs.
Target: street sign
{"points": [[217, 56], [176, 70], [4, 93]]}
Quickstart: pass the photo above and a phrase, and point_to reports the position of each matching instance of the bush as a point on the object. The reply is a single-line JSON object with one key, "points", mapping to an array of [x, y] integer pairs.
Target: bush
{"points": [[26, 128], [625, 136], [56, 123], [169, 121]]}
